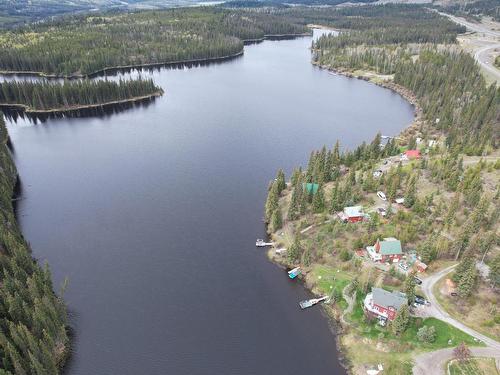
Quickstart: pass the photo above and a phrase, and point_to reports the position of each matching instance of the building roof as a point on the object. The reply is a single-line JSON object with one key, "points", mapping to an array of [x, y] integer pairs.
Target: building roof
{"points": [[412, 153], [311, 188], [421, 264], [354, 211], [390, 246], [387, 299]]}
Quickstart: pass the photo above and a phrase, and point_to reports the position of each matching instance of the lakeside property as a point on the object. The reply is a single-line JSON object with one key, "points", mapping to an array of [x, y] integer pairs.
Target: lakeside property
{"points": [[422, 190]]}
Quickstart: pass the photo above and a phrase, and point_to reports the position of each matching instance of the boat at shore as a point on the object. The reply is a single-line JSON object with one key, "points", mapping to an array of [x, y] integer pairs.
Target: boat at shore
{"points": [[293, 273], [311, 302]]}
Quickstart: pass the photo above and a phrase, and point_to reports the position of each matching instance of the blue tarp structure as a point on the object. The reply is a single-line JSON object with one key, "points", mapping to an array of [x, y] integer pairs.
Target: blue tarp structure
{"points": [[310, 187]]}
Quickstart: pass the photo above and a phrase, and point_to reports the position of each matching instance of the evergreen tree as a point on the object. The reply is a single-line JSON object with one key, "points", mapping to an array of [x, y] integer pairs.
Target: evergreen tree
{"points": [[296, 175], [272, 201], [296, 201], [276, 220], [280, 180], [495, 271], [295, 251], [411, 192], [335, 205], [306, 257], [409, 287], [319, 200], [467, 281], [400, 323]]}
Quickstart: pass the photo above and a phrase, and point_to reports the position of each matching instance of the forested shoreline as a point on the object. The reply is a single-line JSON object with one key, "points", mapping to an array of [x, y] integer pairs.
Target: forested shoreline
{"points": [[442, 206], [447, 82], [82, 45], [48, 96], [33, 322]]}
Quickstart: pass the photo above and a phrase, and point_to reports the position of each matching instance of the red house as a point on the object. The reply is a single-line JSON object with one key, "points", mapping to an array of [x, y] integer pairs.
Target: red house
{"points": [[412, 154], [388, 250], [382, 304], [352, 214]]}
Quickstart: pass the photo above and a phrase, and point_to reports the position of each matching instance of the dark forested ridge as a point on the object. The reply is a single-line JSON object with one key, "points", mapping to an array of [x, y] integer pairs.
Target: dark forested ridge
{"points": [[48, 95], [81, 45], [33, 338]]}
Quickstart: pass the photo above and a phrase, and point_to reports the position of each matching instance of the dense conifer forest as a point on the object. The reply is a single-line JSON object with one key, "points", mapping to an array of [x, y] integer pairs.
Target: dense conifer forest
{"points": [[33, 338], [86, 44], [47, 95], [388, 23]]}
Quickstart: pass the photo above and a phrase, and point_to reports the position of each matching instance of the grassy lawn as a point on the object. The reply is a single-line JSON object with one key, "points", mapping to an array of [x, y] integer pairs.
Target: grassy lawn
{"points": [[326, 279], [474, 366]]}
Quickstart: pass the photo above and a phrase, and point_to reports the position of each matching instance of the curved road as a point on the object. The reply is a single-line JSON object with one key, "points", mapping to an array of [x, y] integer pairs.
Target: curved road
{"points": [[433, 362], [482, 54]]}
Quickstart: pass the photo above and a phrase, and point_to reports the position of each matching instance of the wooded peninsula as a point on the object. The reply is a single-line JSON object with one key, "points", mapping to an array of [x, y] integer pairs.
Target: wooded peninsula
{"points": [[86, 45], [54, 97]]}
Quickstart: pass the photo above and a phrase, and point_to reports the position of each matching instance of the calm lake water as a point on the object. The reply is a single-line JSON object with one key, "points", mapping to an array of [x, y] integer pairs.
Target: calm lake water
{"points": [[153, 213]]}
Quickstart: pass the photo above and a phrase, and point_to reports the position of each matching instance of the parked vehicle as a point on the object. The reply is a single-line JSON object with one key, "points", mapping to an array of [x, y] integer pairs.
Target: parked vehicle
{"points": [[419, 300], [453, 294], [417, 280], [404, 266], [381, 195]]}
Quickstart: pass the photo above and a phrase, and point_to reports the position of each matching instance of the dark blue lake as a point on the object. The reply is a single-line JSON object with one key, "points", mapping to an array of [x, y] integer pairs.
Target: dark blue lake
{"points": [[153, 213]]}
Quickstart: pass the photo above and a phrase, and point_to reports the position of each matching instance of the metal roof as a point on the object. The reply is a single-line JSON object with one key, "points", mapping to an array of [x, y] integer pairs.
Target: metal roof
{"points": [[354, 211], [386, 299], [390, 247]]}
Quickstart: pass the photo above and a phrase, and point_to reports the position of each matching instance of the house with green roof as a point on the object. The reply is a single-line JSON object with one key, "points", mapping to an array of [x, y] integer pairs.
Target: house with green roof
{"points": [[388, 250]]}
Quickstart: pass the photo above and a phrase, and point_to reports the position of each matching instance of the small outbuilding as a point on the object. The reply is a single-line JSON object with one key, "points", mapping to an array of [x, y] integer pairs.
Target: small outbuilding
{"points": [[352, 214], [421, 266], [412, 154]]}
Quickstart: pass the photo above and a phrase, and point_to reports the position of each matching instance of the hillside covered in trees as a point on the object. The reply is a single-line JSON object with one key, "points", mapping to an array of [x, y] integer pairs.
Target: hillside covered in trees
{"points": [[388, 23], [48, 95], [82, 45], [443, 205], [447, 82], [33, 337]]}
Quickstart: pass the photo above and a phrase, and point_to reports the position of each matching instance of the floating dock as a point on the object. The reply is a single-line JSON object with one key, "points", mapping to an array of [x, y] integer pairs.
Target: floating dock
{"points": [[262, 243], [311, 302]]}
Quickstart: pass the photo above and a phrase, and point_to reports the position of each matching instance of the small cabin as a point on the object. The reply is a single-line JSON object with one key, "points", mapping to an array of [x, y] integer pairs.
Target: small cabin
{"points": [[352, 214]]}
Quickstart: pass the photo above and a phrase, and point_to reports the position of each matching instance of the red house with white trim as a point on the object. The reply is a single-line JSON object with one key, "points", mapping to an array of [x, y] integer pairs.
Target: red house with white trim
{"points": [[388, 250], [383, 304]]}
